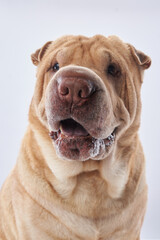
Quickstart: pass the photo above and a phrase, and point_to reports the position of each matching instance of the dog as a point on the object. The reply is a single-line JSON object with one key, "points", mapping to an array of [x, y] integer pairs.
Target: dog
{"points": [[80, 173]]}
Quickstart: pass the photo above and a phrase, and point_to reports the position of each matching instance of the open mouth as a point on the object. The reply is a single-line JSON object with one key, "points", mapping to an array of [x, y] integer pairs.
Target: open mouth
{"points": [[75, 143], [71, 128]]}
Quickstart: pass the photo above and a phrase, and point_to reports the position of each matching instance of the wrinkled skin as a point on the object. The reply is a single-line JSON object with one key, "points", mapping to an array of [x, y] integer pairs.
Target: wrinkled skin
{"points": [[80, 173], [99, 122]]}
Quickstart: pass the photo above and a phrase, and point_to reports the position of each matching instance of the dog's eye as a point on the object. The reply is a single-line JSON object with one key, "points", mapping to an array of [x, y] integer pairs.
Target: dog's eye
{"points": [[55, 68], [113, 70]]}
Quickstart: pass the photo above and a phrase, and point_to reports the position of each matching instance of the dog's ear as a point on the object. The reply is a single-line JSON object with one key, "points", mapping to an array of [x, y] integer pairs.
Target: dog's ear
{"points": [[37, 56], [141, 59]]}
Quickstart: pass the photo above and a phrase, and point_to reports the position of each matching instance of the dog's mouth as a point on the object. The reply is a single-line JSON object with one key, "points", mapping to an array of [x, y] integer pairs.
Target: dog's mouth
{"points": [[73, 142]]}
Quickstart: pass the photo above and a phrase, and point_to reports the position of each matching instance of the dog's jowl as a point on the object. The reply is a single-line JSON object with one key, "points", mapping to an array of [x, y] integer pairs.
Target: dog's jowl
{"points": [[80, 173]]}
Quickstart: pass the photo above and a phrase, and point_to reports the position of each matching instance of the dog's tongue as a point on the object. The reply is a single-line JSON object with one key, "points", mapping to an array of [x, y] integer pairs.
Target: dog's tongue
{"points": [[69, 127]]}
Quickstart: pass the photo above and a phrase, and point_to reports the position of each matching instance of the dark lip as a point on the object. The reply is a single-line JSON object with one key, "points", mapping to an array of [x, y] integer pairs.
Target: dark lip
{"points": [[59, 135]]}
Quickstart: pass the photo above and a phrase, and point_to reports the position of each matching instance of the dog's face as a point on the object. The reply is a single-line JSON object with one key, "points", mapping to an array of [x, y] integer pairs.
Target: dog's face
{"points": [[87, 93]]}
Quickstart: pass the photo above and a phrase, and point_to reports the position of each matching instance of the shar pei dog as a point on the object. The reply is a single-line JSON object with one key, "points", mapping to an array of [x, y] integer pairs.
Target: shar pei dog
{"points": [[80, 173]]}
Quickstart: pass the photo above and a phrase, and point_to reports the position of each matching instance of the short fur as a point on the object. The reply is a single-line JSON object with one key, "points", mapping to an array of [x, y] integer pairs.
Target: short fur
{"points": [[47, 197]]}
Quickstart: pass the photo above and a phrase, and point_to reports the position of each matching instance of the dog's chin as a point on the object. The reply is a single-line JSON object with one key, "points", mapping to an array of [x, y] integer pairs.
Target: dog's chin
{"points": [[72, 142]]}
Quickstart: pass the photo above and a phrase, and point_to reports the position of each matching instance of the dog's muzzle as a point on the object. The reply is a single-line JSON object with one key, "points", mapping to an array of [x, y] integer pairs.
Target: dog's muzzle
{"points": [[79, 114]]}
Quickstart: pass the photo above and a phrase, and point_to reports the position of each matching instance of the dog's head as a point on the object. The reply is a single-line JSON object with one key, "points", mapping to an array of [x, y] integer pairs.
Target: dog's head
{"points": [[87, 94]]}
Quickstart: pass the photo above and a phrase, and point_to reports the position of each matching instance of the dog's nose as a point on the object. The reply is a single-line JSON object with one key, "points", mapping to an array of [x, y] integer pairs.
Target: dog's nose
{"points": [[74, 89]]}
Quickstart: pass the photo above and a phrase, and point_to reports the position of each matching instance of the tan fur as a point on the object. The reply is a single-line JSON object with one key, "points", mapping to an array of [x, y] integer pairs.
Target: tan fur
{"points": [[46, 197]]}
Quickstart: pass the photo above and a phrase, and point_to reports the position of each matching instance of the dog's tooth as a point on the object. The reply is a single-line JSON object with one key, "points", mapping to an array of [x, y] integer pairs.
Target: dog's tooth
{"points": [[109, 138], [112, 136], [61, 129]]}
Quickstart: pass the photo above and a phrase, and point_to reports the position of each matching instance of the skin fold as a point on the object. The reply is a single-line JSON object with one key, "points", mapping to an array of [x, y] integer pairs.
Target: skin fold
{"points": [[85, 181]]}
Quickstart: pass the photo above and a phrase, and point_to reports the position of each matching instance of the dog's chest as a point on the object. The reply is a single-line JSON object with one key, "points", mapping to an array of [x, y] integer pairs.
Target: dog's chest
{"points": [[88, 215], [90, 195], [62, 223], [94, 215]]}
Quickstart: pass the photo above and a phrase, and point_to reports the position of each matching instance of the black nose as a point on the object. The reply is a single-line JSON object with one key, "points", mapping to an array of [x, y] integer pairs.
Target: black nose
{"points": [[75, 89]]}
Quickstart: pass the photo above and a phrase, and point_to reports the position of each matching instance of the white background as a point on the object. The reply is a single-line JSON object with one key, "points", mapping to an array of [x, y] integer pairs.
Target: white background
{"points": [[27, 25]]}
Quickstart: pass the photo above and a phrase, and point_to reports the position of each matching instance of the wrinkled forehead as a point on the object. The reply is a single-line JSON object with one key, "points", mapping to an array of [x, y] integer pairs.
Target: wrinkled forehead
{"points": [[80, 50]]}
